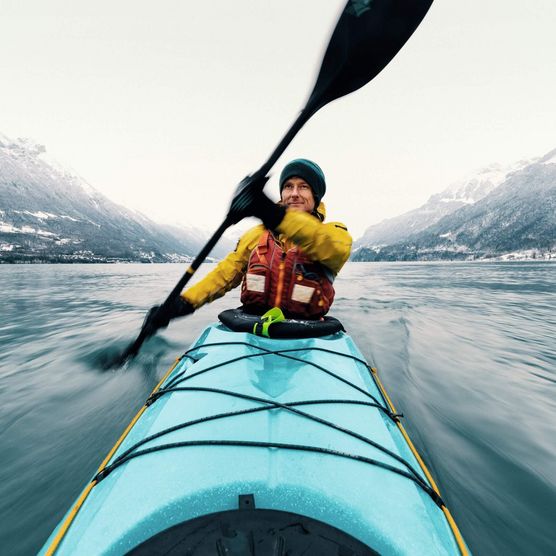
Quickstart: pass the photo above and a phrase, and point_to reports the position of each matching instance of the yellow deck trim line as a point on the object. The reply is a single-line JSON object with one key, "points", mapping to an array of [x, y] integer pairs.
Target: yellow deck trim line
{"points": [[77, 506], [134, 420], [419, 459], [65, 526], [454, 528], [405, 435], [121, 439]]}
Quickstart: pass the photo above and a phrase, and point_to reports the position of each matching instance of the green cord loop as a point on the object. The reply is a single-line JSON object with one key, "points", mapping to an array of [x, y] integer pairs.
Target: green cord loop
{"points": [[270, 317]]}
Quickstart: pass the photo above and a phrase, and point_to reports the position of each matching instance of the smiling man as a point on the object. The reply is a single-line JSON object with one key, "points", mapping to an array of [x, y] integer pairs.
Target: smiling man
{"points": [[290, 261]]}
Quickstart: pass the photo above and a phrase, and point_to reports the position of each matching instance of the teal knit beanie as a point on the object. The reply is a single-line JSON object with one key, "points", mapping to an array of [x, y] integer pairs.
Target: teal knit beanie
{"points": [[310, 172]]}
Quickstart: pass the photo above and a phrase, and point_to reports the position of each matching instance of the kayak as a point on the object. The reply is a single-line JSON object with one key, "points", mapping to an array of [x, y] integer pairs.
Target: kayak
{"points": [[255, 445]]}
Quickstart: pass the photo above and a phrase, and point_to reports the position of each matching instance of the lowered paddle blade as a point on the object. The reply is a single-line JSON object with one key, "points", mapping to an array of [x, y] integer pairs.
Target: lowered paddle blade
{"points": [[146, 331], [367, 36], [114, 360]]}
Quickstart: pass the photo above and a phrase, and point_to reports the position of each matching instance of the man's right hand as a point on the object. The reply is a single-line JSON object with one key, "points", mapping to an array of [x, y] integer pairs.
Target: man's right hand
{"points": [[159, 316], [250, 200]]}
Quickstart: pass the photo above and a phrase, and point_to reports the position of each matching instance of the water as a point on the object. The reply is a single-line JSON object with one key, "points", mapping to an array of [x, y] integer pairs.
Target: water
{"points": [[466, 350]]}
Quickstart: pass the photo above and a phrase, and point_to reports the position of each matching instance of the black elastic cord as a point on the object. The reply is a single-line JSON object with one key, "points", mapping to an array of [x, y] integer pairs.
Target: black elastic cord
{"points": [[270, 404], [280, 445], [172, 386], [269, 351], [179, 378]]}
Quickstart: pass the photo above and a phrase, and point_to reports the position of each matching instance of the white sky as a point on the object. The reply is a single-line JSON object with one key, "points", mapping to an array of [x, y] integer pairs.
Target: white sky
{"points": [[164, 106]]}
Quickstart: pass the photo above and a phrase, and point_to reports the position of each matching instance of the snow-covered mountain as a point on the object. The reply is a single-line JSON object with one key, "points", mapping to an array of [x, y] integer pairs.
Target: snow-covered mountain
{"points": [[516, 217], [50, 214], [462, 193]]}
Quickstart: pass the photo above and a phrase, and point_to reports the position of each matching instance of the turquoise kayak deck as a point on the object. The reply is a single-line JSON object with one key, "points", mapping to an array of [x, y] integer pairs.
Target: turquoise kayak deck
{"points": [[286, 459]]}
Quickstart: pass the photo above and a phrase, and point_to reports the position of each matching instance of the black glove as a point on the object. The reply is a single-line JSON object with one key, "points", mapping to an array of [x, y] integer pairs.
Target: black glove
{"points": [[160, 316], [249, 200]]}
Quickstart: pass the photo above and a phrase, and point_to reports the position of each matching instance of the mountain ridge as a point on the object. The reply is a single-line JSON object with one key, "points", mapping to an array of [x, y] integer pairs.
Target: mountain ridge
{"points": [[461, 193], [49, 213], [515, 219]]}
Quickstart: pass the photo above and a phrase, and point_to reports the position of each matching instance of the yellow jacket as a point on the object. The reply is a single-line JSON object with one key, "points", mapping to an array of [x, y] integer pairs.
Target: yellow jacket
{"points": [[328, 243]]}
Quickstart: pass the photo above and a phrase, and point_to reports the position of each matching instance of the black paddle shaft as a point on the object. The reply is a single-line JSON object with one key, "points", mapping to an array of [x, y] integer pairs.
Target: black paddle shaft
{"points": [[367, 36]]}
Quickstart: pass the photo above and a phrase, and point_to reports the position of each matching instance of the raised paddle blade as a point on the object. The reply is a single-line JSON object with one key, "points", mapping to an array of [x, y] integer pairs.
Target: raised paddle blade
{"points": [[367, 36]]}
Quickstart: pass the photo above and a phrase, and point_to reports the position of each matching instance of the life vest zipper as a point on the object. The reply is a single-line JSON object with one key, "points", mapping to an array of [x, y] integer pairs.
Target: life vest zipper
{"points": [[280, 286]]}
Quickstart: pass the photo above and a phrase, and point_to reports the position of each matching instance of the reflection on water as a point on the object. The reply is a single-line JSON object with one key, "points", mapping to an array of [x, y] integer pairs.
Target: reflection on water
{"points": [[466, 350]]}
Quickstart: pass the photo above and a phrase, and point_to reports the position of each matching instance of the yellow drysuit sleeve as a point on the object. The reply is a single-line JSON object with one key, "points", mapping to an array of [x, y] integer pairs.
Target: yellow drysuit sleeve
{"points": [[228, 272], [328, 243]]}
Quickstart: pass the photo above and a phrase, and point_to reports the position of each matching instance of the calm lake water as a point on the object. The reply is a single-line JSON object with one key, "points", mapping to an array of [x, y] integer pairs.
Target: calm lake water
{"points": [[467, 351]]}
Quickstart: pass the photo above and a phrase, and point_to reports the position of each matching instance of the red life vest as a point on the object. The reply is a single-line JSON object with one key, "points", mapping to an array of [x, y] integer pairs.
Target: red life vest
{"points": [[287, 279]]}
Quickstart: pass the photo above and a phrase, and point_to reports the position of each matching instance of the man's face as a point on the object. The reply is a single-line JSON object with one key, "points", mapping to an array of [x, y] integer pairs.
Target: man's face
{"points": [[298, 195]]}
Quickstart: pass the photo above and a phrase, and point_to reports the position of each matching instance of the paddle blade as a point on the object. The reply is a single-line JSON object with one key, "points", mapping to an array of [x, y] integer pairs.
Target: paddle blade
{"points": [[367, 36]]}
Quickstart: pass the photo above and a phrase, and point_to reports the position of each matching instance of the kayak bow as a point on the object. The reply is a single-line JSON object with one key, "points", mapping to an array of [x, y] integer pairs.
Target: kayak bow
{"points": [[253, 445]]}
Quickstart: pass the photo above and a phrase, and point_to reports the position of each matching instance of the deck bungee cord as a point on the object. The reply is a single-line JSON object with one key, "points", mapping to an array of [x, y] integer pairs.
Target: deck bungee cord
{"points": [[174, 384], [270, 405], [279, 445], [131, 452], [281, 353]]}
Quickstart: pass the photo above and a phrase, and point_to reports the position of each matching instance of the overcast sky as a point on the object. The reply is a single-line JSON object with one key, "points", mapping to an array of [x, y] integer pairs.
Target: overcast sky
{"points": [[164, 106]]}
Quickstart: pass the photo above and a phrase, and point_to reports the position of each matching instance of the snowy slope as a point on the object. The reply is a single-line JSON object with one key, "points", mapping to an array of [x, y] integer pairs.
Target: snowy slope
{"points": [[49, 213], [517, 216], [464, 192]]}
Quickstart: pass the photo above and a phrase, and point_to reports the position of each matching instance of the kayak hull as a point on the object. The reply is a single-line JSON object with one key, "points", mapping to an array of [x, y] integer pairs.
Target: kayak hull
{"points": [[277, 447]]}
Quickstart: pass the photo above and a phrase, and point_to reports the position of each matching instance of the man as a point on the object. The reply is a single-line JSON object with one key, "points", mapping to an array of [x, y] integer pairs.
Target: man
{"points": [[290, 261]]}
